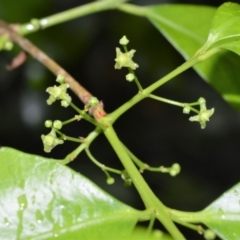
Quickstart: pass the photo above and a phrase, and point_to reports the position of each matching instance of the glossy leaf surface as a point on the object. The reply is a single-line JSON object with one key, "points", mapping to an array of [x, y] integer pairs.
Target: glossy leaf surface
{"points": [[42, 199], [187, 28], [223, 215], [224, 31]]}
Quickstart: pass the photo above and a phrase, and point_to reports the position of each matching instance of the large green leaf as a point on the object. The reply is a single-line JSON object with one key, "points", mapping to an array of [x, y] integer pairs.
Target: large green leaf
{"points": [[223, 215], [40, 199], [187, 28]]}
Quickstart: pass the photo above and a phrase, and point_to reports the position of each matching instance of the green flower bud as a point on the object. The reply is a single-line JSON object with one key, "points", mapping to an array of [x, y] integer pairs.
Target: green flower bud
{"points": [[64, 103], [125, 59], [175, 169], [130, 77], [92, 102], [78, 117], [60, 79], [57, 124], [124, 40], [186, 109], [209, 234], [110, 180], [202, 102], [48, 123], [157, 234]]}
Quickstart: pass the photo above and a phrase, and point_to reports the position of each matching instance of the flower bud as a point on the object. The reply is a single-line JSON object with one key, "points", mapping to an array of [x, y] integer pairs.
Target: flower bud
{"points": [[60, 79], [124, 40], [57, 124], [130, 77], [175, 169], [186, 109], [110, 181], [48, 123], [92, 102], [209, 234]]}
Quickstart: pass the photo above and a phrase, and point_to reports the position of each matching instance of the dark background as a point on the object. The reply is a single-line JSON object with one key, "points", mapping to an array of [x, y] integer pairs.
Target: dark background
{"points": [[157, 133]]}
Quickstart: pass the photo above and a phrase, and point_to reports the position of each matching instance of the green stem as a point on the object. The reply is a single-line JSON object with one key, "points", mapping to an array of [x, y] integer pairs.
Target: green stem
{"points": [[151, 223], [166, 100], [100, 165], [65, 137], [68, 15], [87, 141], [139, 86], [189, 217], [148, 197], [147, 91], [197, 228], [179, 104], [133, 9], [143, 166], [87, 117], [76, 118]]}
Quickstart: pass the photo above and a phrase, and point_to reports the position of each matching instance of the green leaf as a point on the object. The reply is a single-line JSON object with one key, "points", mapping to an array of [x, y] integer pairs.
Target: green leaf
{"points": [[40, 199], [223, 215], [140, 234], [224, 31], [187, 28]]}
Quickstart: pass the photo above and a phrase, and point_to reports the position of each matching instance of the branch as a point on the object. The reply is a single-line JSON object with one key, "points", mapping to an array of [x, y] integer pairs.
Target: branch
{"points": [[49, 63]]}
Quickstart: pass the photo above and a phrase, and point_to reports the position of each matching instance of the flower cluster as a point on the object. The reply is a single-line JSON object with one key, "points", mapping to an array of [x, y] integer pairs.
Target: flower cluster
{"points": [[59, 93], [51, 140]]}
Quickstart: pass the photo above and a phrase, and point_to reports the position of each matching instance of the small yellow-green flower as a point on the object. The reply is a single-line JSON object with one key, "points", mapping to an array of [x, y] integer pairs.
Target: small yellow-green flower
{"points": [[50, 141], [125, 59], [124, 40], [59, 93], [204, 114]]}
